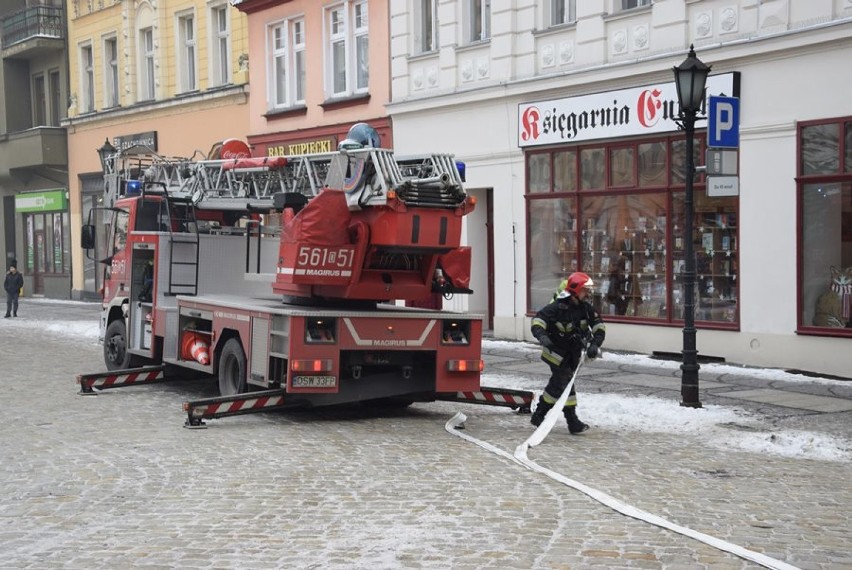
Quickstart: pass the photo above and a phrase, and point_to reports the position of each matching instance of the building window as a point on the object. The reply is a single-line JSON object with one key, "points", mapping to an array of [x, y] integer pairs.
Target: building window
{"points": [[621, 5], [220, 47], [348, 48], [111, 72], [299, 61], [55, 88], [288, 63], [87, 79], [478, 20], [615, 211], [362, 45], [426, 26], [278, 86], [146, 64], [825, 218], [186, 57], [562, 12], [39, 101]]}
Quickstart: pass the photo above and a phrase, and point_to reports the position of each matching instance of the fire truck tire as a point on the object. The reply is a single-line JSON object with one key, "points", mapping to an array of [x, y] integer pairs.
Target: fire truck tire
{"points": [[232, 369], [116, 356]]}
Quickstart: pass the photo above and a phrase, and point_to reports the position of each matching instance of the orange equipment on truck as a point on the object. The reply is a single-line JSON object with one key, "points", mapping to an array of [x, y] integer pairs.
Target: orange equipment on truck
{"points": [[279, 277]]}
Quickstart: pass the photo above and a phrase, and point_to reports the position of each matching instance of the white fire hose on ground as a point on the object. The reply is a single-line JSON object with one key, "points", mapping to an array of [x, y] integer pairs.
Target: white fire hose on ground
{"points": [[456, 423]]}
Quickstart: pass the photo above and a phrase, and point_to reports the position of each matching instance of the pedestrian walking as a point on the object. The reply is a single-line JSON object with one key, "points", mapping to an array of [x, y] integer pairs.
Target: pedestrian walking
{"points": [[12, 284], [565, 327]]}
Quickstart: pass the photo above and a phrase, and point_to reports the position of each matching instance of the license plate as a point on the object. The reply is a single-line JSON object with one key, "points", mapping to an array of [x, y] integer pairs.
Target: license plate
{"points": [[314, 381]]}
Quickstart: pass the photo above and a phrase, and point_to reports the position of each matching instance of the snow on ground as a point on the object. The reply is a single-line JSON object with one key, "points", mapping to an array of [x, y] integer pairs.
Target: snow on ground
{"points": [[645, 360], [712, 423]]}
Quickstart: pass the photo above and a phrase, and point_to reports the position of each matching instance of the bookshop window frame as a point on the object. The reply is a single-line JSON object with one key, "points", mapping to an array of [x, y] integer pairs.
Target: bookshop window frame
{"points": [[615, 210], [824, 220]]}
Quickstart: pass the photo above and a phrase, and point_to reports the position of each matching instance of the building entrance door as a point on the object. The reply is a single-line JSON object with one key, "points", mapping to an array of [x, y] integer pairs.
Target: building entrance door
{"points": [[40, 251]]}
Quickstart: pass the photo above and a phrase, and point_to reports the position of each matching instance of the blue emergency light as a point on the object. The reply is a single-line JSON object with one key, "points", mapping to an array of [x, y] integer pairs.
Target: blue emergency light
{"points": [[460, 166], [134, 187]]}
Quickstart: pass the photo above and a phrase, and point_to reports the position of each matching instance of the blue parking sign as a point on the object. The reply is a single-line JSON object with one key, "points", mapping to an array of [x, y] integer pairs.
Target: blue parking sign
{"points": [[723, 122]]}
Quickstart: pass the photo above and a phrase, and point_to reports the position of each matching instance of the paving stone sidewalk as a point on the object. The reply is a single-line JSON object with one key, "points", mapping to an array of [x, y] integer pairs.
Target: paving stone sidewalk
{"points": [[115, 481]]}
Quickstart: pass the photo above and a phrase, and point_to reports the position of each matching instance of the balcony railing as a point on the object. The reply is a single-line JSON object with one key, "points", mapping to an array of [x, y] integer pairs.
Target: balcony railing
{"points": [[37, 21]]}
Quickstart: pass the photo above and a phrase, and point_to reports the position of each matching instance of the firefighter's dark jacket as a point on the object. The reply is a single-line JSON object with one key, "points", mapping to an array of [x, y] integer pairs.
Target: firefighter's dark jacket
{"points": [[567, 322]]}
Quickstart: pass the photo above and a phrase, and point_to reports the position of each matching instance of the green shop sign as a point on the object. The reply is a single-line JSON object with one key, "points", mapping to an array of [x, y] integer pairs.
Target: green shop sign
{"points": [[49, 201]]}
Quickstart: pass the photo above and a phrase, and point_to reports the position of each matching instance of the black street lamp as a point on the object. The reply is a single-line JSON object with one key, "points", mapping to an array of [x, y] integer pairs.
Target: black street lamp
{"points": [[105, 153], [690, 78]]}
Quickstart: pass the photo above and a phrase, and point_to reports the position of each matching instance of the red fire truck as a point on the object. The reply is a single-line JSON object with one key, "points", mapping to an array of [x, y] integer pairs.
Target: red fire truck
{"points": [[282, 278]]}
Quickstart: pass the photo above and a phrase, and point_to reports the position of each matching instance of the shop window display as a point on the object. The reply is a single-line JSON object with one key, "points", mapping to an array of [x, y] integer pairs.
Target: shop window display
{"points": [[623, 249], [715, 245], [552, 227], [625, 229], [825, 198]]}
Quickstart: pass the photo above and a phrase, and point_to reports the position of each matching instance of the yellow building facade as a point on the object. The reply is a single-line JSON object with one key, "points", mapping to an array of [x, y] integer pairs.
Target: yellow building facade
{"points": [[170, 75]]}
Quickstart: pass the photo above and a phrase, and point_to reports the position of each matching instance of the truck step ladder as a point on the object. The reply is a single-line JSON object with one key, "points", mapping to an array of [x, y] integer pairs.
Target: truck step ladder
{"points": [[186, 284]]}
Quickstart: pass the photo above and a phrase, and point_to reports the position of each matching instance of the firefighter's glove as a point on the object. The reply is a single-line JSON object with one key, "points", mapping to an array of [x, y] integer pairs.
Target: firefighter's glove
{"points": [[546, 342], [593, 351]]}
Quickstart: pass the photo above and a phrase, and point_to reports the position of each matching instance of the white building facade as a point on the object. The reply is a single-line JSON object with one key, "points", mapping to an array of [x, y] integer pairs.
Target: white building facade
{"points": [[563, 112]]}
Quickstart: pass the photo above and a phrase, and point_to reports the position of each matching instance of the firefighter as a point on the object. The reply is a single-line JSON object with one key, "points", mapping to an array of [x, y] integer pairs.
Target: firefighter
{"points": [[566, 327]]}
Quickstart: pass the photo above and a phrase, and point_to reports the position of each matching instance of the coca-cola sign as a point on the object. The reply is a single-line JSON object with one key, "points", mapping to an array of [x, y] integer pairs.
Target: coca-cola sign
{"points": [[612, 114]]}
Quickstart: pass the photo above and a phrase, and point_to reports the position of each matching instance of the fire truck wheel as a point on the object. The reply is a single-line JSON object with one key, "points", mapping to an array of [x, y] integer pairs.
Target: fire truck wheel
{"points": [[116, 356], [232, 369]]}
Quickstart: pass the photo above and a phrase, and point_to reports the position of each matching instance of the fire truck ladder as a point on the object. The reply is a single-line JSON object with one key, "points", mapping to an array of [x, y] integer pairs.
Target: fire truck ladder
{"points": [[235, 183], [306, 173], [430, 180]]}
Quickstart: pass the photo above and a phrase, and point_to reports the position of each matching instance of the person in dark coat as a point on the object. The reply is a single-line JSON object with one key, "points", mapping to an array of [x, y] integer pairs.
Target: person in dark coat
{"points": [[565, 327], [12, 284]]}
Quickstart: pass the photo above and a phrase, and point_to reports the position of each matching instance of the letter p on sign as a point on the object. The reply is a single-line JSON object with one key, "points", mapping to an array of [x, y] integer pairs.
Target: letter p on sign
{"points": [[723, 122]]}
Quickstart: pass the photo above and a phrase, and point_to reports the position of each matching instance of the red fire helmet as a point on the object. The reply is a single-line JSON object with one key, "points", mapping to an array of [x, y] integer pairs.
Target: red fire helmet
{"points": [[577, 282]]}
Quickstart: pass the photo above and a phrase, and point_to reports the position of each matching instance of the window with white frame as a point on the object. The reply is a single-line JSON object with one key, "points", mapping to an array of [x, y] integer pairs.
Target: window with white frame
{"points": [[186, 52], [287, 45], [110, 72], [299, 62], [478, 20], [347, 57], [220, 45], [630, 4], [146, 64], [278, 48], [87, 79], [562, 12], [425, 26]]}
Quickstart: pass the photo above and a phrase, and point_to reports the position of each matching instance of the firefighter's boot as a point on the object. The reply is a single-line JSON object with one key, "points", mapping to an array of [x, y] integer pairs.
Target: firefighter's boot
{"points": [[574, 424], [541, 410]]}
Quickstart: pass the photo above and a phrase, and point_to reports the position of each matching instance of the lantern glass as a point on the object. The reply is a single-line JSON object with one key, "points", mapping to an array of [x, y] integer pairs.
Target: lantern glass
{"points": [[690, 80], [105, 153]]}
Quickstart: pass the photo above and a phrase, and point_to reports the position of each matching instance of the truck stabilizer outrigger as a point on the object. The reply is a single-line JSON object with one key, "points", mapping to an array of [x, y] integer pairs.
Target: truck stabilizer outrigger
{"points": [[269, 400]]}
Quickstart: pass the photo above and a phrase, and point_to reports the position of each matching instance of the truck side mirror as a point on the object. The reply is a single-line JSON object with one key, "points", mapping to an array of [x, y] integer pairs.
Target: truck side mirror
{"points": [[87, 236]]}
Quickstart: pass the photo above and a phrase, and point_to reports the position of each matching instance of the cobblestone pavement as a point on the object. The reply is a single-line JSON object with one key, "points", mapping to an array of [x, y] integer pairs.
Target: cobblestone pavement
{"points": [[114, 480]]}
